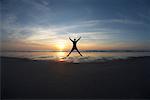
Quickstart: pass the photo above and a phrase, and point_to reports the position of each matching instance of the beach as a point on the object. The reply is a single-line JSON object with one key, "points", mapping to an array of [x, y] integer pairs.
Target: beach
{"points": [[120, 78]]}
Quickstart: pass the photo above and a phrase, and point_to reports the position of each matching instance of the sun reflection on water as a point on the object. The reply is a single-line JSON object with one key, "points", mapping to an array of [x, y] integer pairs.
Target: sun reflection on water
{"points": [[75, 57], [61, 56]]}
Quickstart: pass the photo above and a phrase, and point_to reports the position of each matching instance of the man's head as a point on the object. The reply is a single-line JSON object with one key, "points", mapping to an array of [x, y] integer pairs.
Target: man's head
{"points": [[74, 39]]}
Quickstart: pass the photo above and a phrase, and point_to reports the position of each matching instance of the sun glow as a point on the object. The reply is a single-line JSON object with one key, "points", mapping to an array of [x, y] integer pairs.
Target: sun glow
{"points": [[61, 46]]}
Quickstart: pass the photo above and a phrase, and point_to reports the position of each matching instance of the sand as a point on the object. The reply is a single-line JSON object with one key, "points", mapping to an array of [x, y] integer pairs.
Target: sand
{"points": [[23, 78]]}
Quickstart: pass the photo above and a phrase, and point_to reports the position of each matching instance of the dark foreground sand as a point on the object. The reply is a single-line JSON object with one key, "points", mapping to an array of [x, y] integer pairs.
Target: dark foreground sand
{"points": [[22, 78]]}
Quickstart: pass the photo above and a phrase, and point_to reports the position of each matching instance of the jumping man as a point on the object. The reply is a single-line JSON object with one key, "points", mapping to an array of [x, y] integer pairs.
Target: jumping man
{"points": [[74, 46]]}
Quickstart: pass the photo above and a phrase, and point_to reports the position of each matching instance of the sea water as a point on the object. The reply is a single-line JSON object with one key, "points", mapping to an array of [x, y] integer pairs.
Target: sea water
{"points": [[74, 57]]}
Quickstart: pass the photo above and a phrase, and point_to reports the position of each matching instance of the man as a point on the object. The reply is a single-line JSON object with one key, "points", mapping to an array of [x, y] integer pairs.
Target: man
{"points": [[74, 46]]}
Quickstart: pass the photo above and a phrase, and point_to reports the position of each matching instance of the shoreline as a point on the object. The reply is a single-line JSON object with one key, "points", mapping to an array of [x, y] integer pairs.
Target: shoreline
{"points": [[101, 60]]}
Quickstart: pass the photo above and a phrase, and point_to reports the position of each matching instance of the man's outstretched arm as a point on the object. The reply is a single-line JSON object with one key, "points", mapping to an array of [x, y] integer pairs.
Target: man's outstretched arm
{"points": [[79, 39], [70, 39]]}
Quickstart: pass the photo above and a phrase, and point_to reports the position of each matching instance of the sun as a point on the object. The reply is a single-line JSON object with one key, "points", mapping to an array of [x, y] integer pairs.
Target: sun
{"points": [[61, 46]]}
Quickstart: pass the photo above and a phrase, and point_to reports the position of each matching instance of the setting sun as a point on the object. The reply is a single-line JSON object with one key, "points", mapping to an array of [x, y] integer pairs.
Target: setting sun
{"points": [[61, 46]]}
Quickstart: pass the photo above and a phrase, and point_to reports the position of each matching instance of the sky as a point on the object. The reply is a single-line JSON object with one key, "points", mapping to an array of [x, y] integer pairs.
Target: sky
{"points": [[102, 24]]}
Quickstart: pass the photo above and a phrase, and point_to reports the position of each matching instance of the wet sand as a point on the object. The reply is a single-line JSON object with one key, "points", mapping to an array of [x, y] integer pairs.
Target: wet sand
{"points": [[23, 78]]}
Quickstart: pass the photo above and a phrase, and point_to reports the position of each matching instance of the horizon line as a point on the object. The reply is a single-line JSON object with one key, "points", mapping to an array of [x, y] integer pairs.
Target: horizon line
{"points": [[75, 51]]}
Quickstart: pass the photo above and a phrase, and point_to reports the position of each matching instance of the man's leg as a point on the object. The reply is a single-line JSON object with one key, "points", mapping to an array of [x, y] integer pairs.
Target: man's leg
{"points": [[78, 52], [70, 52]]}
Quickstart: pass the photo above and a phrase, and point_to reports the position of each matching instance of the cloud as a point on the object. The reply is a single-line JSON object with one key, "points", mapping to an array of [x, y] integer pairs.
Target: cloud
{"points": [[53, 32], [121, 21], [92, 31], [38, 4]]}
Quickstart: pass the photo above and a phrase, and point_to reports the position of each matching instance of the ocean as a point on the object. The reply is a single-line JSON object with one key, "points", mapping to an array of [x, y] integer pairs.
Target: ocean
{"points": [[74, 57]]}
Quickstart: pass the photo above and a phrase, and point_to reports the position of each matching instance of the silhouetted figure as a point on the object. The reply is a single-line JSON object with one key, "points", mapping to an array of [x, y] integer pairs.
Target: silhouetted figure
{"points": [[74, 46]]}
